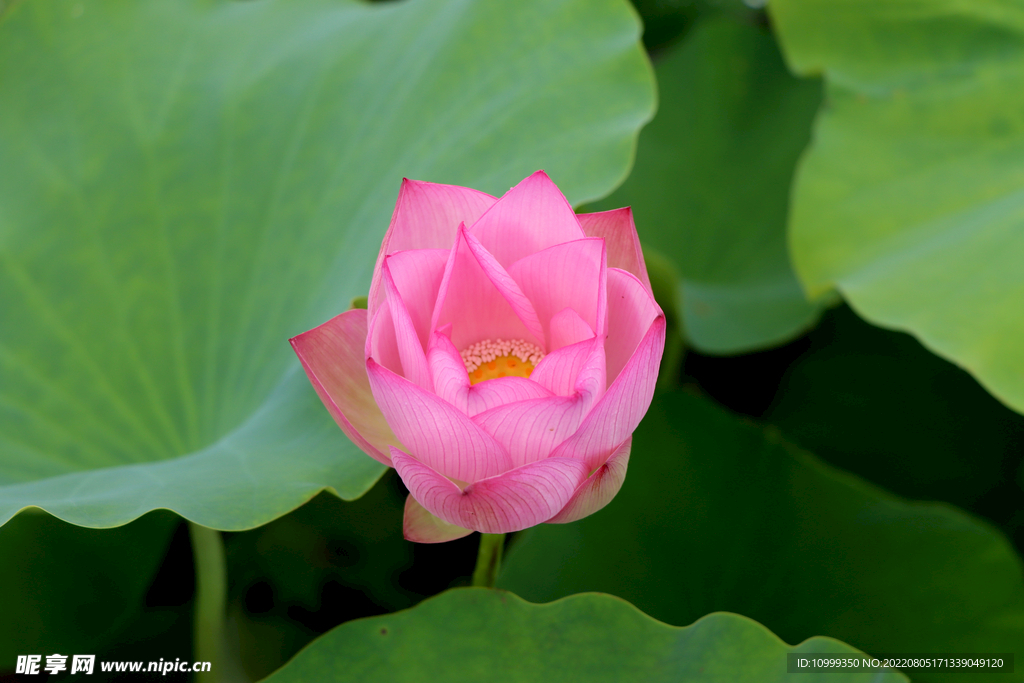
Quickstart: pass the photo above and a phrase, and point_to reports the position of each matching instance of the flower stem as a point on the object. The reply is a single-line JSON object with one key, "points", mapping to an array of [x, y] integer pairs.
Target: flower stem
{"points": [[211, 596], [488, 560]]}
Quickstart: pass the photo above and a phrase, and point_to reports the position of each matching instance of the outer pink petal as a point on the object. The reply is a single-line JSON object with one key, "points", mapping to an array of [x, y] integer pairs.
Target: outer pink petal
{"points": [[414, 360], [417, 274], [515, 500], [557, 371], [622, 407], [566, 275], [434, 430], [599, 488], [620, 238], [567, 327], [529, 430], [332, 356], [481, 300], [451, 382], [419, 526], [426, 217], [631, 310], [533, 215]]}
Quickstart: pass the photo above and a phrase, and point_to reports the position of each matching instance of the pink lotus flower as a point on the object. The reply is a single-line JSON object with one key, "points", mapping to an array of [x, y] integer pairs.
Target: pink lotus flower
{"points": [[508, 351]]}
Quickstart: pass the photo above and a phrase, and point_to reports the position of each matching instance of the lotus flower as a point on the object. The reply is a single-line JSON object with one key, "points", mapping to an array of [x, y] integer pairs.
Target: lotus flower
{"points": [[508, 350]]}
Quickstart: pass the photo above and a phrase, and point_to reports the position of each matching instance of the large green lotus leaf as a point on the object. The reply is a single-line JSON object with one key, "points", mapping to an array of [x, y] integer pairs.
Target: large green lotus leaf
{"points": [[711, 184], [68, 589], [486, 635], [911, 199], [187, 184], [717, 514]]}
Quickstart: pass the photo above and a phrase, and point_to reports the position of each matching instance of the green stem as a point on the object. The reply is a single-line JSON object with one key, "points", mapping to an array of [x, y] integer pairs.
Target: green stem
{"points": [[211, 598], [488, 560]]}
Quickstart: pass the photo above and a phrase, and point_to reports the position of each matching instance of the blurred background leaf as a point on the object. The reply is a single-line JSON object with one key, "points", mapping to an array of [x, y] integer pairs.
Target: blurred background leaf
{"points": [[876, 403], [73, 590], [909, 201], [496, 636], [199, 181], [666, 21], [329, 562], [720, 515], [711, 183]]}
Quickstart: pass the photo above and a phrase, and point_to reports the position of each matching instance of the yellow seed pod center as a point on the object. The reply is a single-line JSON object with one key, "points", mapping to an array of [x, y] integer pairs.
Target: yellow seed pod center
{"points": [[501, 358], [503, 366]]}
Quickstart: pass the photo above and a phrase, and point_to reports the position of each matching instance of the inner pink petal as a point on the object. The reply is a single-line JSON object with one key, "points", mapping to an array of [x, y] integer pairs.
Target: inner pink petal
{"points": [[565, 275], [414, 361], [558, 370], [451, 382], [426, 216], [501, 391], [481, 301], [417, 274], [532, 216], [382, 342], [529, 430], [567, 327]]}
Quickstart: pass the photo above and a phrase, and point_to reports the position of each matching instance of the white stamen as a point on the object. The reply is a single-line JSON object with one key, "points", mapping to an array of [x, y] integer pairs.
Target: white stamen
{"points": [[487, 350]]}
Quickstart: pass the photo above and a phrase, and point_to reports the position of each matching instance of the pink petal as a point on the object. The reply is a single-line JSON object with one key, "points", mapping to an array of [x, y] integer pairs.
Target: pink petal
{"points": [[599, 489], [332, 356], [426, 217], [451, 382], [382, 340], [481, 300], [417, 276], [529, 430], [414, 360], [567, 327], [566, 275], [419, 526], [434, 430], [515, 500], [557, 371], [622, 407], [494, 393], [620, 238], [631, 310], [533, 215]]}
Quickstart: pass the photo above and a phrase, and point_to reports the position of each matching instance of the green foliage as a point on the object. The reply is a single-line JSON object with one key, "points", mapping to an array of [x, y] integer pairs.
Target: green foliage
{"points": [[711, 182], [909, 201], [68, 589], [479, 634], [198, 181], [325, 563], [717, 515], [877, 404]]}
